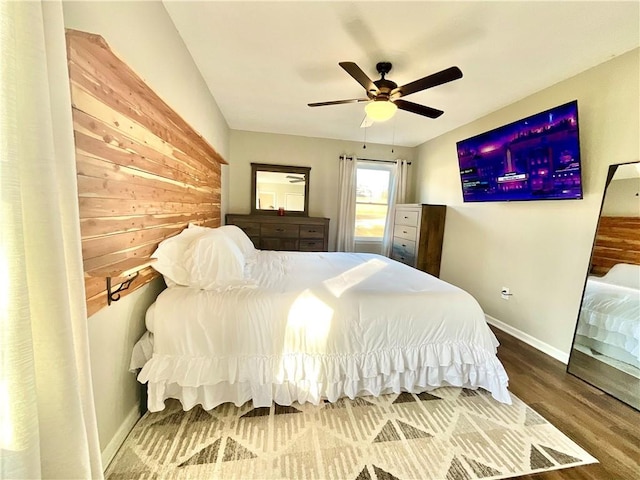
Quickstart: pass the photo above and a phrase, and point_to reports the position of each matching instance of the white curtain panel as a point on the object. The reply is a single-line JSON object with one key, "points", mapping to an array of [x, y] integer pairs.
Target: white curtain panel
{"points": [[346, 204], [47, 419], [397, 195]]}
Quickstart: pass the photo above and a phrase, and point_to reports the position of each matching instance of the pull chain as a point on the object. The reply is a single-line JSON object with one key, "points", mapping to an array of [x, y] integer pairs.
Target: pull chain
{"points": [[393, 139]]}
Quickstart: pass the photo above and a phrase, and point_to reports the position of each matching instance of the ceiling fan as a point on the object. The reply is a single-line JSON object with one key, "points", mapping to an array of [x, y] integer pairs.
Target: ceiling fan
{"points": [[294, 179], [384, 96]]}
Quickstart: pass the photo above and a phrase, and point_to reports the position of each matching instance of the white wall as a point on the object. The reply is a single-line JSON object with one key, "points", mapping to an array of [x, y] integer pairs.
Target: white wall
{"points": [[318, 153], [540, 250], [622, 199], [143, 36]]}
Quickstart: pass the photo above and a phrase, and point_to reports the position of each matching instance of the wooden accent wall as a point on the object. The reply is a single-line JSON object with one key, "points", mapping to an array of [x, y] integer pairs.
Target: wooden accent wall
{"points": [[143, 172], [617, 241]]}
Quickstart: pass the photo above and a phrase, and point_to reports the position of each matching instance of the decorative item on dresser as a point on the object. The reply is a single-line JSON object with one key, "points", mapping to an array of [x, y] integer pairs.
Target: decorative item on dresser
{"points": [[418, 230], [306, 234]]}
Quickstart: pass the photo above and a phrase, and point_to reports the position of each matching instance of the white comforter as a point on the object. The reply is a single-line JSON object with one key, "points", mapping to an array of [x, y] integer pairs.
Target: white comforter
{"points": [[610, 318], [318, 325]]}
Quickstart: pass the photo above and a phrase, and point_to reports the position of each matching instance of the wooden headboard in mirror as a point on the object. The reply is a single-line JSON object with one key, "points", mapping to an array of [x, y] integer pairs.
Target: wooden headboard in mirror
{"points": [[618, 233], [617, 241], [275, 187], [143, 173]]}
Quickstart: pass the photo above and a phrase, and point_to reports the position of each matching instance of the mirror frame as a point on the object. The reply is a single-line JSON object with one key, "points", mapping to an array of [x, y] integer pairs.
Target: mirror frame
{"points": [[600, 376], [265, 167]]}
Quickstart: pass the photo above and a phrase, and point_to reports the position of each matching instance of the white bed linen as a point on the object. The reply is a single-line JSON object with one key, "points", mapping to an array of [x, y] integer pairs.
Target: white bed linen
{"points": [[610, 318], [318, 325]]}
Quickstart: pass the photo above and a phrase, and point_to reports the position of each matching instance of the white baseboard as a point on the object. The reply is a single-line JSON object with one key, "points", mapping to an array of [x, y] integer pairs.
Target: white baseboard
{"points": [[118, 439], [528, 339]]}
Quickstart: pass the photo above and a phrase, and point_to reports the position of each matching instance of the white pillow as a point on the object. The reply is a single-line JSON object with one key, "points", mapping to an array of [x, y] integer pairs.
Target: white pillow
{"points": [[200, 257], [624, 275], [237, 236], [214, 261], [170, 255]]}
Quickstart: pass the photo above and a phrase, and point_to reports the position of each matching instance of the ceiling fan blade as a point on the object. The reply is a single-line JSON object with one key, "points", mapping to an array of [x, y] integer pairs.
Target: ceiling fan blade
{"points": [[338, 102], [356, 72], [419, 109], [445, 76]]}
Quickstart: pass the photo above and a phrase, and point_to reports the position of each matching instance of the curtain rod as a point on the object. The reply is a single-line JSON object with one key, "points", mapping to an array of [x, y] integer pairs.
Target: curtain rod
{"points": [[375, 160]]}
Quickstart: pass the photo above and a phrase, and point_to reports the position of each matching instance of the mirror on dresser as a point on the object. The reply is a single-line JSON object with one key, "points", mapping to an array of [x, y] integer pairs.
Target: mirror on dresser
{"points": [[279, 189], [606, 345]]}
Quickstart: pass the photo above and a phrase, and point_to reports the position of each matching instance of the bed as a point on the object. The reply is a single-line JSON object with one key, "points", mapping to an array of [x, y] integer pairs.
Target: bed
{"points": [[609, 321], [238, 324]]}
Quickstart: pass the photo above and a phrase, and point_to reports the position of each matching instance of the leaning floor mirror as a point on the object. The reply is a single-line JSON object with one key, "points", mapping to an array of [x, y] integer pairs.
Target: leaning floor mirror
{"points": [[606, 345]]}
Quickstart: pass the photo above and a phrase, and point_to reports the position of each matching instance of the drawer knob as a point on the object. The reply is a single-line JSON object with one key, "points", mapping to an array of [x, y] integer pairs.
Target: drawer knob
{"points": [[404, 231], [279, 229], [312, 231], [406, 217]]}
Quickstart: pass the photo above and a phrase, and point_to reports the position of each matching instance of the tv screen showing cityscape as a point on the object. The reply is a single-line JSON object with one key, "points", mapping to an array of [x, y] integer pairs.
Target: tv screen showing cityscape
{"points": [[536, 158]]}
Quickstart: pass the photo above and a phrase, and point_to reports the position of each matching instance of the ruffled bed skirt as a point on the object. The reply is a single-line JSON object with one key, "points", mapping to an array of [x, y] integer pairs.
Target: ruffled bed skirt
{"points": [[203, 381]]}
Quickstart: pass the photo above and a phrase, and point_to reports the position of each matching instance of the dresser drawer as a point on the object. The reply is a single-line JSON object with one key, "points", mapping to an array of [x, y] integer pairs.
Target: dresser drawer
{"points": [[307, 245], [406, 232], [255, 239], [273, 243], [404, 246], [400, 257], [311, 231], [407, 217], [252, 229], [279, 230]]}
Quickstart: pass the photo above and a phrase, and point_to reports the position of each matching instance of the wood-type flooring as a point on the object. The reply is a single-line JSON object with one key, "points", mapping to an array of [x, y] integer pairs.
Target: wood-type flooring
{"points": [[604, 426]]}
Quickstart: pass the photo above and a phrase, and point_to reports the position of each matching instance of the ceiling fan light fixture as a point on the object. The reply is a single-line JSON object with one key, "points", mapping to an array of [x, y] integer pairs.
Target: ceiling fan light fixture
{"points": [[380, 110]]}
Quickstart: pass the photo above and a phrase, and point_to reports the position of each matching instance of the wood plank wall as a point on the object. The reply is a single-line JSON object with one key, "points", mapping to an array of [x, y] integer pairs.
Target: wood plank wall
{"points": [[617, 241], [143, 172]]}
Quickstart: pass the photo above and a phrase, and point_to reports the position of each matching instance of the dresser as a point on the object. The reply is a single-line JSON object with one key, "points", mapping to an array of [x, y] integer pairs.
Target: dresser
{"points": [[292, 233], [418, 230]]}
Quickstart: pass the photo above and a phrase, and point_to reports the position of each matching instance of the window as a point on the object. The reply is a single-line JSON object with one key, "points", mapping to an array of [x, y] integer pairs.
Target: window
{"points": [[372, 200]]}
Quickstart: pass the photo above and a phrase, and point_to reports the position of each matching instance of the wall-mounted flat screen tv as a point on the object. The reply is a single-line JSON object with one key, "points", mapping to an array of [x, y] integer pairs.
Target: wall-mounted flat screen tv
{"points": [[536, 158]]}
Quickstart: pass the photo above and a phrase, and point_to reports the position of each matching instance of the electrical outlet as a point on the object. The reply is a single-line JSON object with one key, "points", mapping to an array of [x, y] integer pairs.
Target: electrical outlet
{"points": [[505, 293]]}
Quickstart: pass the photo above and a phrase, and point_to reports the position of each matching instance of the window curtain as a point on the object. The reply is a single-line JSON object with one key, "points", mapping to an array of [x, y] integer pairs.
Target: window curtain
{"points": [[48, 427], [346, 204], [397, 194]]}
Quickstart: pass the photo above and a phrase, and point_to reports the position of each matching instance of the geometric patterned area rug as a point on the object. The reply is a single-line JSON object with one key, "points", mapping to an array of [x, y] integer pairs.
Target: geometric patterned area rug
{"points": [[449, 433]]}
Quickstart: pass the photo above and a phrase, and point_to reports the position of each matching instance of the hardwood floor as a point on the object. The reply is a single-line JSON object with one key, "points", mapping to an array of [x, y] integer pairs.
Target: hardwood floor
{"points": [[605, 427]]}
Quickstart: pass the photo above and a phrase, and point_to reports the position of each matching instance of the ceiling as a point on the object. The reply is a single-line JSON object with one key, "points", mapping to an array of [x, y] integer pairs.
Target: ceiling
{"points": [[265, 61]]}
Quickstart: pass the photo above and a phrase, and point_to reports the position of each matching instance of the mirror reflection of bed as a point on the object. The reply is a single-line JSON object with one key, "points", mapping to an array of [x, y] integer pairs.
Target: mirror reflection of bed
{"points": [[606, 348]]}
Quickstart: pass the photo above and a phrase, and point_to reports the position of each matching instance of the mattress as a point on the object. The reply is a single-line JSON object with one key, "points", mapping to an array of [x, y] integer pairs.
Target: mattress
{"points": [[312, 326]]}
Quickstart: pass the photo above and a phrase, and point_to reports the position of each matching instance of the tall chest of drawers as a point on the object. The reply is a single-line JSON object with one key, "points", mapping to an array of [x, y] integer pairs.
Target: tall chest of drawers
{"points": [[271, 232], [418, 231]]}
